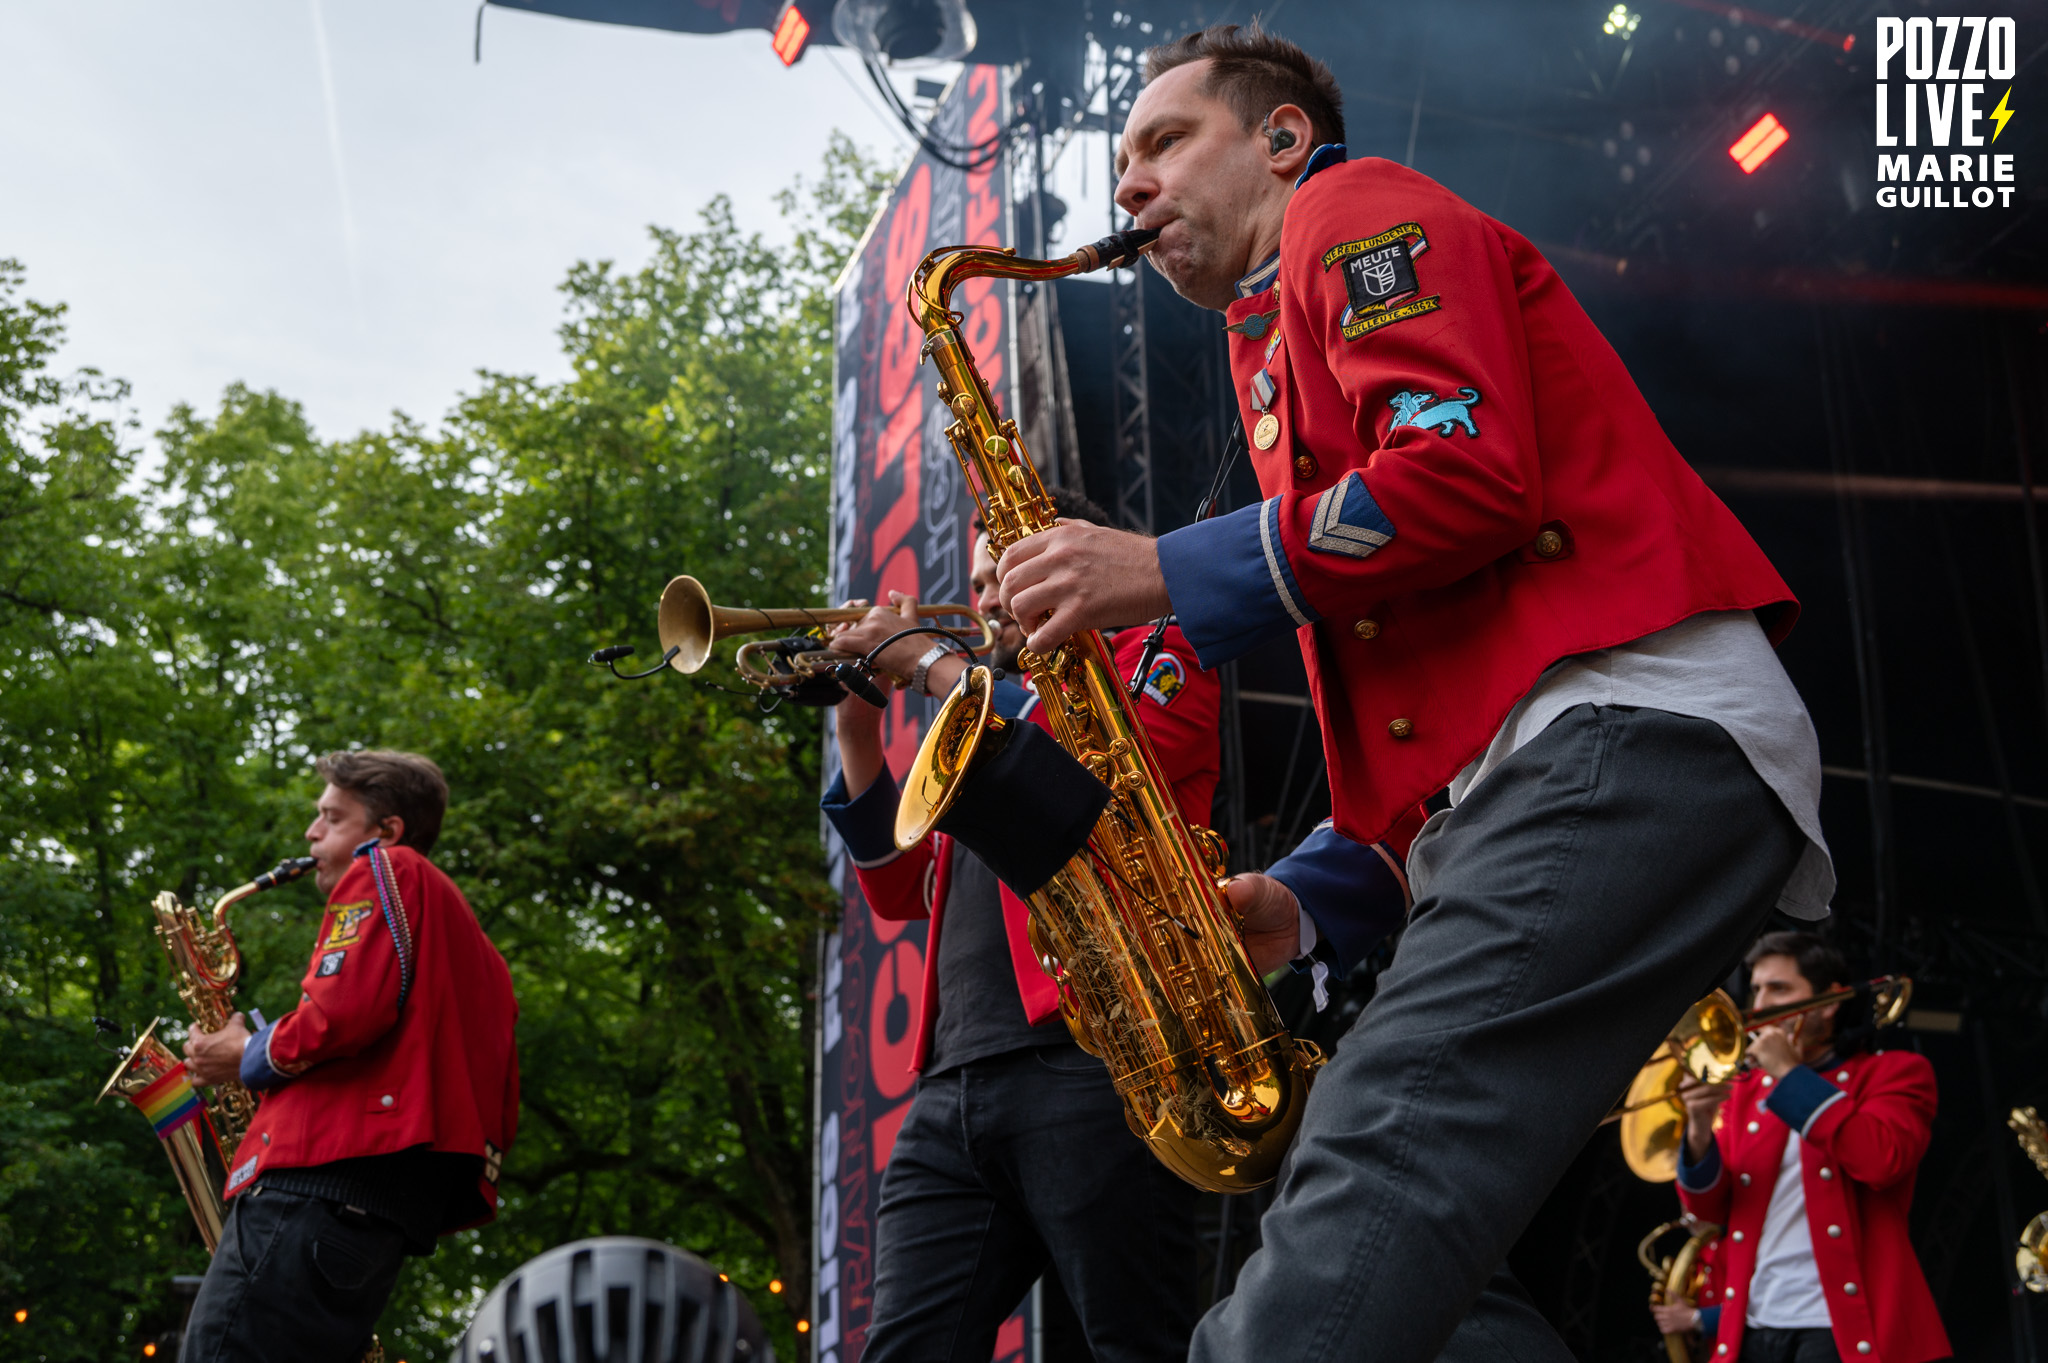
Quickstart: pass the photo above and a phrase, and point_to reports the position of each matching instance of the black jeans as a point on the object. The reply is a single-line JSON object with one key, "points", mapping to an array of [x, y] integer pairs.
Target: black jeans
{"points": [[1590, 888], [1010, 1167], [296, 1278], [1767, 1344]]}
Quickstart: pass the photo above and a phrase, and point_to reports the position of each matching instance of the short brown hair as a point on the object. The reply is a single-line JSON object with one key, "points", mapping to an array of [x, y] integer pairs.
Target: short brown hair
{"points": [[389, 783], [1255, 72], [1822, 965]]}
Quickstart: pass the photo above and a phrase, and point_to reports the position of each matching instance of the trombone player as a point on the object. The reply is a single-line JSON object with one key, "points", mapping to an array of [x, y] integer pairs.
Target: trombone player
{"points": [[1811, 1170]]}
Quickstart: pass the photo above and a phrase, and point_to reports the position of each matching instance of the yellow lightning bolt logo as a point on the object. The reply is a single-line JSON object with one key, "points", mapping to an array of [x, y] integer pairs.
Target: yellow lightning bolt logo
{"points": [[2001, 113]]}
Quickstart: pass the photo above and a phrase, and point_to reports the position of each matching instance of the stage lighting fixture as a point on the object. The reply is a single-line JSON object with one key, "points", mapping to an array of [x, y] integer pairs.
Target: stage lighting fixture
{"points": [[1755, 146], [792, 31], [1620, 23], [903, 31]]}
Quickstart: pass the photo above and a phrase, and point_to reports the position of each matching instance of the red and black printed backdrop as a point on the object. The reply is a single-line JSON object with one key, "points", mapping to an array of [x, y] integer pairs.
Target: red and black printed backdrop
{"points": [[900, 520]]}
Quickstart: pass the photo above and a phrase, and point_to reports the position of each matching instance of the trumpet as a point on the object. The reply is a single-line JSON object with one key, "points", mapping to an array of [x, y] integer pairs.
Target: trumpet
{"points": [[1711, 1044], [690, 627]]}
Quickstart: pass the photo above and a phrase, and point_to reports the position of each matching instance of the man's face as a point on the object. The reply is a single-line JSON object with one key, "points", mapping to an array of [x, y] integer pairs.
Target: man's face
{"points": [[341, 823], [1189, 168], [988, 600], [1774, 981]]}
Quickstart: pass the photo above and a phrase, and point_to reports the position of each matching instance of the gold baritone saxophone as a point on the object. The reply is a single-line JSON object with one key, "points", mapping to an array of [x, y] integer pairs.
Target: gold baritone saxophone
{"points": [[199, 1134], [1135, 928]]}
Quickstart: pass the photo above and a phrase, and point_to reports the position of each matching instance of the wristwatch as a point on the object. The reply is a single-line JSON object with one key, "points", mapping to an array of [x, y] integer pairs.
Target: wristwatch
{"points": [[924, 667]]}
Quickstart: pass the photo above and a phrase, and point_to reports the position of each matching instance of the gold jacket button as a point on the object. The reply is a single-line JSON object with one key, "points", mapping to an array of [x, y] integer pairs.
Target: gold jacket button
{"points": [[1549, 544], [1304, 466], [1401, 728], [1367, 629]]}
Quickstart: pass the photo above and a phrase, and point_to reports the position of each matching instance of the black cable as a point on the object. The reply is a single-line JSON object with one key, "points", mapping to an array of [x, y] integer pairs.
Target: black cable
{"points": [[976, 154], [1203, 512]]}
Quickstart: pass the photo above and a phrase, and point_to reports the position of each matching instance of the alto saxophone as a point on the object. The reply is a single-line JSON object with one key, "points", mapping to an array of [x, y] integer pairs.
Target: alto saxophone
{"points": [[1135, 928], [207, 966]]}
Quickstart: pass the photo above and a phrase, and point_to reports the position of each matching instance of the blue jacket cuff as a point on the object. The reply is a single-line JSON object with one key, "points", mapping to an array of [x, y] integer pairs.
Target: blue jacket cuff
{"points": [[1231, 584], [1347, 888], [1799, 1097], [867, 825], [257, 1072], [1710, 1321], [1698, 1178]]}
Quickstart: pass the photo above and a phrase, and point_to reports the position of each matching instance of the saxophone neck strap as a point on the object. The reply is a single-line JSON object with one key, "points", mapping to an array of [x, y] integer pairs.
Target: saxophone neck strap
{"points": [[1157, 638]]}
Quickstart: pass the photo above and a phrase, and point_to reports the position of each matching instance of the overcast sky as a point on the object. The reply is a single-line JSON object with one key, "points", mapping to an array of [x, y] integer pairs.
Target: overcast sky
{"points": [[169, 169]]}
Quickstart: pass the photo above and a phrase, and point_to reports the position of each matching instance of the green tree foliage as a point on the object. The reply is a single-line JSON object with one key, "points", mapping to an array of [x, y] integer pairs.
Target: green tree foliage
{"points": [[172, 654]]}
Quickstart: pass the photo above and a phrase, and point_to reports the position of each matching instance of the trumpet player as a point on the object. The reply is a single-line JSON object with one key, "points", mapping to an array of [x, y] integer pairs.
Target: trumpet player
{"points": [[389, 1094], [1506, 583], [1014, 1160], [1810, 1167]]}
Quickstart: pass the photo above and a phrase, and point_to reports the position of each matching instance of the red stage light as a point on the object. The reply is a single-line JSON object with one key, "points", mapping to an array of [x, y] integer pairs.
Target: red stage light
{"points": [[792, 30], [1754, 147]]}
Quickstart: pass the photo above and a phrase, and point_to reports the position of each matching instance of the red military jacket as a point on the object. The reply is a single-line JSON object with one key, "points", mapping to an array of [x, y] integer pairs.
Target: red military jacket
{"points": [[1865, 1124], [1462, 483], [1179, 706], [403, 1035]]}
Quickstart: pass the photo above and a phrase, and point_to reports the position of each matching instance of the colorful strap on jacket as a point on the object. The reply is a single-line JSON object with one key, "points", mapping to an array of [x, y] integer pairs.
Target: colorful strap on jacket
{"points": [[394, 918]]}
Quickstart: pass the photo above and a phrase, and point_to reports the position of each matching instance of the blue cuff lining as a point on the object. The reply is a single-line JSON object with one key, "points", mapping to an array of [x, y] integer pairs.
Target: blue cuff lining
{"points": [[256, 1068], [1798, 1098], [1231, 584], [868, 825], [1347, 888], [1698, 1178], [1710, 1321]]}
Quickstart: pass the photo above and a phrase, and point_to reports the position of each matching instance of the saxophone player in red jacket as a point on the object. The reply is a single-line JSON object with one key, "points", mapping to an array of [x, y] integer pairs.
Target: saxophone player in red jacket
{"points": [[389, 1095], [1507, 586], [1810, 1172]]}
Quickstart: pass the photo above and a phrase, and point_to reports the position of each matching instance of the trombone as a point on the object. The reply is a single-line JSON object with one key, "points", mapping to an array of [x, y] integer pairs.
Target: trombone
{"points": [[1710, 1044], [690, 626]]}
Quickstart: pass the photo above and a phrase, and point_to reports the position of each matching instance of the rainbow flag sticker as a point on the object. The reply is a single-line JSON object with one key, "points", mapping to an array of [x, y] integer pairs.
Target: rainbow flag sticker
{"points": [[170, 1101]]}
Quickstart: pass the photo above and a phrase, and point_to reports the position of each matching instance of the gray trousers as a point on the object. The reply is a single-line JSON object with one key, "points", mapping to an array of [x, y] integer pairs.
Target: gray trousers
{"points": [[1590, 888]]}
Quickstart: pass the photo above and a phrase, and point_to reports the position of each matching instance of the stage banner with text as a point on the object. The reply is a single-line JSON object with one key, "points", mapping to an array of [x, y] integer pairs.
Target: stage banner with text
{"points": [[901, 521]]}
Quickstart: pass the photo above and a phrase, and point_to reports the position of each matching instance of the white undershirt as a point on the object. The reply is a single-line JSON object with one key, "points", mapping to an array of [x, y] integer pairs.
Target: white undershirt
{"points": [[1717, 666], [1784, 1292]]}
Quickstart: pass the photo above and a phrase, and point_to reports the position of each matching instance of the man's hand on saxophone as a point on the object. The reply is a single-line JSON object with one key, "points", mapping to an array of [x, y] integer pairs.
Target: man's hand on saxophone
{"points": [[1086, 577], [216, 1057], [1268, 920]]}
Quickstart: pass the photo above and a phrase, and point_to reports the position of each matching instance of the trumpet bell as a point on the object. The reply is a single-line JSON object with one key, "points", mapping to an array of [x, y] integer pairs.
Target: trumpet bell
{"points": [[1653, 1122], [688, 623]]}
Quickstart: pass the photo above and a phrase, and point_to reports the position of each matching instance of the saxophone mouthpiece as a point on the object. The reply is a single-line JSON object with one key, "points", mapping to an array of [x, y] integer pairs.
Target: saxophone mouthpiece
{"points": [[290, 869], [1118, 248]]}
